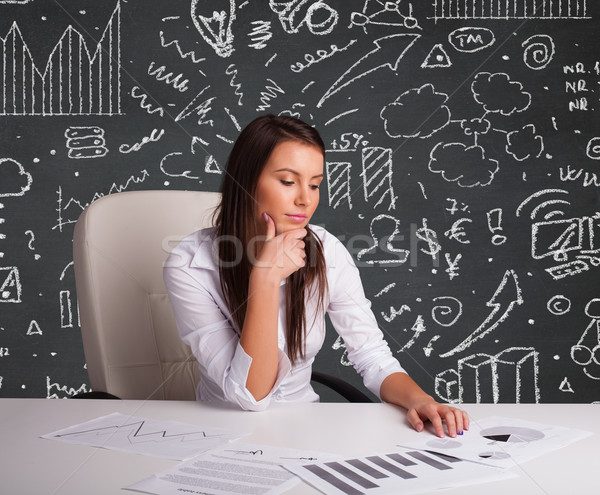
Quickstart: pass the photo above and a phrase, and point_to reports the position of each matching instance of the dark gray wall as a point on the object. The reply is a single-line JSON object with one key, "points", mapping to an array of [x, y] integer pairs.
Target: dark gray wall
{"points": [[462, 167]]}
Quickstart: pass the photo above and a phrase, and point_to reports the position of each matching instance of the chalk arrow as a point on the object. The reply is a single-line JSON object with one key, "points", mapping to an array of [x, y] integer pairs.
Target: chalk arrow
{"points": [[503, 301], [388, 48]]}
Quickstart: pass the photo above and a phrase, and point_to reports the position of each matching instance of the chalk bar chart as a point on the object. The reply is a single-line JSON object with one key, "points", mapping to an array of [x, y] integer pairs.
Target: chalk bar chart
{"points": [[511, 9]]}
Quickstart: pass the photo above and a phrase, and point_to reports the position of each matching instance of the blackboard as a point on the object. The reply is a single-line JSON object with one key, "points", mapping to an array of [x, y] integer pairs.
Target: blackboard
{"points": [[461, 169]]}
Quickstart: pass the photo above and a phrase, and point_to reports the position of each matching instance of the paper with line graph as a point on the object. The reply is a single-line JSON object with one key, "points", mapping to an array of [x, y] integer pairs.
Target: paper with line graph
{"points": [[157, 438]]}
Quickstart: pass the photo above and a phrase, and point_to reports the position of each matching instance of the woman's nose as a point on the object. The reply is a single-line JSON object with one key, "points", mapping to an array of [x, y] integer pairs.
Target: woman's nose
{"points": [[303, 197]]}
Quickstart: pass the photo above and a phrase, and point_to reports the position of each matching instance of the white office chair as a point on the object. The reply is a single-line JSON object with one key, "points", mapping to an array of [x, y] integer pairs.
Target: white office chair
{"points": [[130, 339]]}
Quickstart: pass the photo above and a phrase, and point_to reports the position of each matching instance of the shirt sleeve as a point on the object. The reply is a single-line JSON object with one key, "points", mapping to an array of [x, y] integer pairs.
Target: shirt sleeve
{"points": [[351, 315], [212, 339]]}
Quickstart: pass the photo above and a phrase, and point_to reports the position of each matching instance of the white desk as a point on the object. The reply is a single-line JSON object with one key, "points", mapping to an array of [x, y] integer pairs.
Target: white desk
{"points": [[30, 465]]}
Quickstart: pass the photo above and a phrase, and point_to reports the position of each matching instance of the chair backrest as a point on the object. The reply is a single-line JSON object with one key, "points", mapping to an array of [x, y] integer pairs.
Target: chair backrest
{"points": [[130, 339]]}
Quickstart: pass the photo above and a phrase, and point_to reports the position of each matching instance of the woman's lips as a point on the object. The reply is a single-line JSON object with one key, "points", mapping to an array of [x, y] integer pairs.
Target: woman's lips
{"points": [[297, 218]]}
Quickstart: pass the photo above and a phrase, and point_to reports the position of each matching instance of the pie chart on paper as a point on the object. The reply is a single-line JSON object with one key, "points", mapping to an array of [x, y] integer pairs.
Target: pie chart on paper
{"points": [[511, 434]]}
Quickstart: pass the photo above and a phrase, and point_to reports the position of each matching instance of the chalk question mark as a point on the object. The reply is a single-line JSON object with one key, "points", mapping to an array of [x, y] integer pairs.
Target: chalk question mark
{"points": [[30, 245]]}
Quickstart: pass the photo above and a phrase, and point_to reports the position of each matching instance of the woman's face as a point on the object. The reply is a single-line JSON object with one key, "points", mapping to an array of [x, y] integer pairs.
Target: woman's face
{"points": [[288, 186]]}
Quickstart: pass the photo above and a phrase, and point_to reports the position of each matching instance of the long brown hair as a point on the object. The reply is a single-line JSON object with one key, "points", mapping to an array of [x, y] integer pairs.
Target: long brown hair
{"points": [[236, 225]]}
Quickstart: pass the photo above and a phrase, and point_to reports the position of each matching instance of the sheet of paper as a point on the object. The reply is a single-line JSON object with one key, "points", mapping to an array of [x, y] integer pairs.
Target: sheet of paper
{"points": [[235, 468], [169, 439], [502, 442], [406, 471]]}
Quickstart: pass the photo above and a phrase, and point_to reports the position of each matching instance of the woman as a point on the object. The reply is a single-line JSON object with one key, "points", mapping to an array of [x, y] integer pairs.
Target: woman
{"points": [[250, 295]]}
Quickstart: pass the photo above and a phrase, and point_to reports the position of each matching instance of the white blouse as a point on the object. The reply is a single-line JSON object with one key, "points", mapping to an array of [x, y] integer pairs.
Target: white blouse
{"points": [[204, 322]]}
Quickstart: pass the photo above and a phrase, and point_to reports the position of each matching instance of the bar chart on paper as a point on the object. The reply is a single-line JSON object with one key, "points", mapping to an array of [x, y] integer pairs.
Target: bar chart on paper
{"points": [[405, 471], [511, 9]]}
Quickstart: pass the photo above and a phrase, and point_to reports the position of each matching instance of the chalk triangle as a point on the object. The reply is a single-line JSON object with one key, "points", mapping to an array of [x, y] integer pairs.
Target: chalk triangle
{"points": [[211, 166], [34, 328], [437, 58], [10, 290], [565, 386]]}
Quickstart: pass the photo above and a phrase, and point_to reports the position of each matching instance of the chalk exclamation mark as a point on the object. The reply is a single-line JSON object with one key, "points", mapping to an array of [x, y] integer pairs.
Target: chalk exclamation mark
{"points": [[494, 219]]}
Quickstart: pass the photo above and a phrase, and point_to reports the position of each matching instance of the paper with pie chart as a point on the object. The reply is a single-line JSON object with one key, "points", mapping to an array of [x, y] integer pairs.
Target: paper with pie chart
{"points": [[502, 442]]}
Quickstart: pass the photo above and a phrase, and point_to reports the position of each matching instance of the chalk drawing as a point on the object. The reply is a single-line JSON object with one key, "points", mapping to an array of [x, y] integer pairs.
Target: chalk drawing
{"points": [[55, 390], [85, 142], [200, 109], [569, 174], [338, 184], [487, 86], [149, 107], [393, 313], [69, 211], [466, 166], [161, 74], [216, 28], [447, 310], [232, 71], [260, 34], [494, 221], [378, 13], [457, 231], [12, 172], [586, 353], [453, 267], [386, 289], [545, 203], [388, 52], [191, 55], [73, 82], [316, 15], [339, 344], [510, 376], [166, 161], [538, 51], [404, 116], [310, 59], [66, 312], [269, 93], [377, 174], [510, 9], [437, 58], [559, 305], [30, 243], [524, 143], [565, 386], [471, 39], [507, 295], [385, 232], [154, 136], [10, 285], [34, 328], [211, 166], [429, 236], [418, 328]]}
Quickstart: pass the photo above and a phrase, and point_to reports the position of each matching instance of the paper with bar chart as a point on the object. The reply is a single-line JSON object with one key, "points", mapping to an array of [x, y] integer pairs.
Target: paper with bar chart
{"points": [[169, 439], [503, 442], [406, 471]]}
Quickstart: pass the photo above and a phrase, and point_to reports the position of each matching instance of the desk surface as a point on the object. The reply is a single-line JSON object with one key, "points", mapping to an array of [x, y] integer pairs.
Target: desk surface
{"points": [[30, 465]]}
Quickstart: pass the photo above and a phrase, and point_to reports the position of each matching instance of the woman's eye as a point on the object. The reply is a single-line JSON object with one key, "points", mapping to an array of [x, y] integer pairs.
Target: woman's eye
{"points": [[287, 182], [314, 187]]}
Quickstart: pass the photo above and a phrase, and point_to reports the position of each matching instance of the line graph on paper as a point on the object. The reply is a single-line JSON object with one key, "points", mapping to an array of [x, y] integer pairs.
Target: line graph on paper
{"points": [[74, 81], [168, 439], [511, 9]]}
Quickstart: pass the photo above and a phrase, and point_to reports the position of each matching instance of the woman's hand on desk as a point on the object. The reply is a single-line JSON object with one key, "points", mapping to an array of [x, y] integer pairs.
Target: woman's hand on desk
{"points": [[456, 420], [400, 389]]}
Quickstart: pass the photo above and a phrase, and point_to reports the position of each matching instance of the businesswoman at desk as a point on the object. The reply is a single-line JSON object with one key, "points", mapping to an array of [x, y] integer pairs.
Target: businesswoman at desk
{"points": [[250, 294]]}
